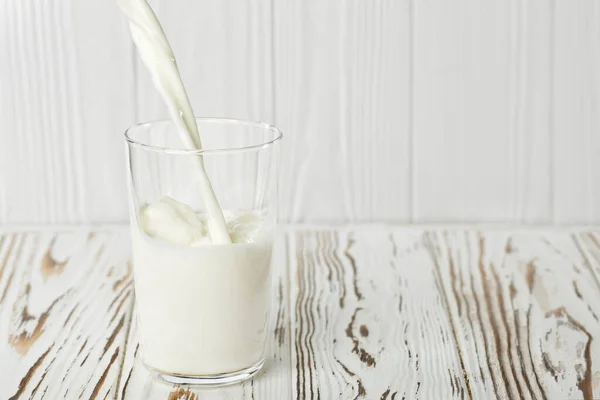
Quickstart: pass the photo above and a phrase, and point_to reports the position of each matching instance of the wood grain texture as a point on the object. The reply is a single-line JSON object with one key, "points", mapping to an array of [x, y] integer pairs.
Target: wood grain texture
{"points": [[387, 106], [66, 305], [367, 312], [517, 304], [458, 314], [369, 319], [575, 104], [66, 99]]}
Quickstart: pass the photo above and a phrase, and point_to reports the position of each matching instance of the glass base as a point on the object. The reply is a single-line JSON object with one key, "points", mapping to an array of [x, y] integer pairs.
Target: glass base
{"points": [[228, 378]]}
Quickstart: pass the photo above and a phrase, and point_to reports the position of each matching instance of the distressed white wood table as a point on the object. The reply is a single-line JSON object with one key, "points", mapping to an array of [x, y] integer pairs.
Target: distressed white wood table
{"points": [[361, 312]]}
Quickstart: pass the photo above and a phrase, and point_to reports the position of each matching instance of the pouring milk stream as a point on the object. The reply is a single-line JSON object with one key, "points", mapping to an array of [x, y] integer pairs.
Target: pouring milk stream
{"points": [[158, 56]]}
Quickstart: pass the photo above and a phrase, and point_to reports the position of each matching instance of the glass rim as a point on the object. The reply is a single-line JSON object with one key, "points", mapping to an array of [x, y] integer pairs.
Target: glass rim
{"points": [[278, 135]]}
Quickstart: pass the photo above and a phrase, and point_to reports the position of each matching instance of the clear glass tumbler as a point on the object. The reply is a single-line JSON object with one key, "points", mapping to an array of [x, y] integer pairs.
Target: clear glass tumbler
{"points": [[203, 308]]}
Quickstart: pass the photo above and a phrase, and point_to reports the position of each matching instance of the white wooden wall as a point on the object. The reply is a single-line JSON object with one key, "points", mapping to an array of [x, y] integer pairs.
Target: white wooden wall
{"points": [[393, 110]]}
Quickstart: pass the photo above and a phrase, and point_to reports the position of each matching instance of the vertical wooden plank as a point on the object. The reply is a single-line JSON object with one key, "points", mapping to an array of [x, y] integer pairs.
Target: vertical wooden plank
{"points": [[66, 99], [369, 319], [461, 88], [481, 111], [525, 309], [102, 58], [342, 97], [575, 102], [529, 29], [273, 382], [63, 324]]}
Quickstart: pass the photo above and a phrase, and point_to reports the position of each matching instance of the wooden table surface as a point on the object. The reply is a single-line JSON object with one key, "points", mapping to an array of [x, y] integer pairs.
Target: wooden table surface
{"points": [[368, 312]]}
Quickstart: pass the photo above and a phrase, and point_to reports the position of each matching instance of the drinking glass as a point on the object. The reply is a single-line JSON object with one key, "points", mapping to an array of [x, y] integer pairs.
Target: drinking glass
{"points": [[203, 308]]}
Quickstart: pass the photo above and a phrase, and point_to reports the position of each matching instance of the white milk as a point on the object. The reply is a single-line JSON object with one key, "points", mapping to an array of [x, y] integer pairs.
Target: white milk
{"points": [[202, 307], [156, 53]]}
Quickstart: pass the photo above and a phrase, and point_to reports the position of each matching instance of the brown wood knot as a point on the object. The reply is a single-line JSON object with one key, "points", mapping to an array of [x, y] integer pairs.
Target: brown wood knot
{"points": [[50, 266], [363, 355], [364, 331], [182, 394]]}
